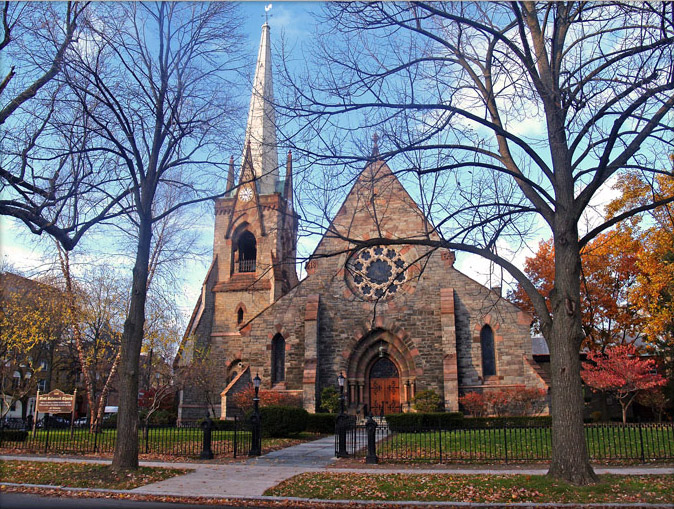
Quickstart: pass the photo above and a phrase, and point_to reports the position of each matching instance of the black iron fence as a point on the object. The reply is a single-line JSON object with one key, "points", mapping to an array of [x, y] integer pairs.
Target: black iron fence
{"points": [[186, 441], [610, 442]]}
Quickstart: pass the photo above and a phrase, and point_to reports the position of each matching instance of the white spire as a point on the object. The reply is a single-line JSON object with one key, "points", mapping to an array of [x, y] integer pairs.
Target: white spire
{"points": [[261, 128]]}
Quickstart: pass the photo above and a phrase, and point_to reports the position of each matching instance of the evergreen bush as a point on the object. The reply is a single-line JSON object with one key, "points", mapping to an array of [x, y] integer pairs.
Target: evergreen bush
{"points": [[321, 423], [283, 421]]}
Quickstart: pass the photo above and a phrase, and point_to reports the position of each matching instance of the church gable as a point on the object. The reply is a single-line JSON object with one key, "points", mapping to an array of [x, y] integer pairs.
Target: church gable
{"points": [[378, 206]]}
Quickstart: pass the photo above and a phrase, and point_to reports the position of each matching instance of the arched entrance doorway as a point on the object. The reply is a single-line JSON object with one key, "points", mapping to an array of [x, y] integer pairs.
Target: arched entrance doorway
{"points": [[384, 386]]}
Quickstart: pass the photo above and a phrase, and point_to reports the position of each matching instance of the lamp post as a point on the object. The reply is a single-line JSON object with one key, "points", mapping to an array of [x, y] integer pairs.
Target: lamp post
{"points": [[256, 421], [341, 421]]}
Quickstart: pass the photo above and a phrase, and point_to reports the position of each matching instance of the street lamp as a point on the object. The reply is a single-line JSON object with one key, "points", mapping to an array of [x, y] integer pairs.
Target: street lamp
{"points": [[256, 421], [341, 420], [340, 381]]}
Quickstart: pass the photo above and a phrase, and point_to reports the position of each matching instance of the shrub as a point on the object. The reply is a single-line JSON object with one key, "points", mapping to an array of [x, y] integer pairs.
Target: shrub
{"points": [[283, 421], [13, 435], [244, 398], [474, 404], [512, 421], [420, 421], [160, 417], [504, 402], [330, 399], [321, 423], [427, 401]]}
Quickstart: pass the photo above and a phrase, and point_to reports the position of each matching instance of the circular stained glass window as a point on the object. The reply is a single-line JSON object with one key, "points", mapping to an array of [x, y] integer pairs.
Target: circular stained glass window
{"points": [[377, 272]]}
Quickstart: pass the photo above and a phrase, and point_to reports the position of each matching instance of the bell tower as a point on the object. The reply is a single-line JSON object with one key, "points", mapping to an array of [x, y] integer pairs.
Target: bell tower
{"points": [[254, 247]]}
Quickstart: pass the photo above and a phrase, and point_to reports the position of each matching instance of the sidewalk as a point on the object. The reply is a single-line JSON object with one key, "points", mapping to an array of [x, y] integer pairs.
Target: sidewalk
{"points": [[250, 478]]}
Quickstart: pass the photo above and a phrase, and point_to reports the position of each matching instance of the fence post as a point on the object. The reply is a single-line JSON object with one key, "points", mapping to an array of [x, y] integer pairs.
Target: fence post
{"points": [[146, 435], [641, 440], [371, 427], [96, 430], [45, 419], [505, 439], [236, 430], [206, 452], [342, 420]]}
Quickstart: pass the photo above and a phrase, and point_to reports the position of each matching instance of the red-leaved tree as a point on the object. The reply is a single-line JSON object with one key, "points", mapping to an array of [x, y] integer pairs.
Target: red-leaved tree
{"points": [[621, 372]]}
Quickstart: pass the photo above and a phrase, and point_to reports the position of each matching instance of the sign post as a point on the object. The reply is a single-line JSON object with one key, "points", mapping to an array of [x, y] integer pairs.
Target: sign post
{"points": [[37, 398]]}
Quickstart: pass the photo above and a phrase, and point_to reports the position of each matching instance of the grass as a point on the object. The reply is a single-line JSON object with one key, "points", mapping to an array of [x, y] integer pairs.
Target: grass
{"points": [[82, 475], [474, 488], [604, 443], [179, 442]]}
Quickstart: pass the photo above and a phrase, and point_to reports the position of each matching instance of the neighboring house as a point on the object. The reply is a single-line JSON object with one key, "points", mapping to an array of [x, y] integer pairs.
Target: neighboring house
{"points": [[26, 368], [393, 319]]}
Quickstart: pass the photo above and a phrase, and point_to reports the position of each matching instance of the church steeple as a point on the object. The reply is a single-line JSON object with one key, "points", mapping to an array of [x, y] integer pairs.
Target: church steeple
{"points": [[261, 127]]}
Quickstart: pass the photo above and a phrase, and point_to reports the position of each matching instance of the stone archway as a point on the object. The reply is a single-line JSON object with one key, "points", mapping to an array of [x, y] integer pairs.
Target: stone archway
{"points": [[380, 369]]}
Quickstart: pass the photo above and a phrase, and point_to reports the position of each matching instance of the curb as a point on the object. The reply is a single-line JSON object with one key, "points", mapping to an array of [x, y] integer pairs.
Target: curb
{"points": [[350, 503]]}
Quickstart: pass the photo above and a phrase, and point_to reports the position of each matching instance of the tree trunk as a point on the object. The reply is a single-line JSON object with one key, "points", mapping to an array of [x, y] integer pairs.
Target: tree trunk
{"points": [[126, 447], [570, 461]]}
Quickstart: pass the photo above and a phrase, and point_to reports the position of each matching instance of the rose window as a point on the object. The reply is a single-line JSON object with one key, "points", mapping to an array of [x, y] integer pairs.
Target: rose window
{"points": [[377, 272]]}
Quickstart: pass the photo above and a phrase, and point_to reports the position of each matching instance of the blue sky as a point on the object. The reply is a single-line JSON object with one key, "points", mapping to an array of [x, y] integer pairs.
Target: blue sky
{"points": [[293, 23]]}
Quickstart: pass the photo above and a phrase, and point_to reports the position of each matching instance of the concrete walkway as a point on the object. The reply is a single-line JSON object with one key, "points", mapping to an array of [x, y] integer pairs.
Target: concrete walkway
{"points": [[251, 477]]}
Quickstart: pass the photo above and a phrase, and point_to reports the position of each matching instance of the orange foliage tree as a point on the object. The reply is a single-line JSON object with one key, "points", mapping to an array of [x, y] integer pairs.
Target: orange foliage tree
{"points": [[655, 231], [610, 309]]}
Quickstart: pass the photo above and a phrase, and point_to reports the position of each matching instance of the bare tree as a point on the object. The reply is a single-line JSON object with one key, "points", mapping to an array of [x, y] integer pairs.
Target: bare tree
{"points": [[42, 185], [153, 82], [507, 115]]}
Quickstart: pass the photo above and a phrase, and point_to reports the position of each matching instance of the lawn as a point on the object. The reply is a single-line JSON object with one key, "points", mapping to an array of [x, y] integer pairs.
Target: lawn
{"points": [[529, 444], [474, 488], [82, 475], [178, 442]]}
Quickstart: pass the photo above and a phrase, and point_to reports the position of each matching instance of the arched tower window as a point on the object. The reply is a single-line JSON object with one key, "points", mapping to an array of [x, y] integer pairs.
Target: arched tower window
{"points": [[278, 359], [247, 249], [239, 316], [488, 355]]}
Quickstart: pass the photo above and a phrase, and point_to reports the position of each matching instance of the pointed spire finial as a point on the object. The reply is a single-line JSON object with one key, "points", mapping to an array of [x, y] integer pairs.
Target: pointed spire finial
{"points": [[375, 146], [267, 8], [230, 175], [288, 186]]}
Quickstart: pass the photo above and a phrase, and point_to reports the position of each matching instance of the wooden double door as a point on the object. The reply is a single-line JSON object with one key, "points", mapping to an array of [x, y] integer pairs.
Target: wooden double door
{"points": [[384, 387]]}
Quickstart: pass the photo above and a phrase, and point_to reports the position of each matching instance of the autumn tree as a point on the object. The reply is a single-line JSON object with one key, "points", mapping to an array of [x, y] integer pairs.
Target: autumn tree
{"points": [[611, 312], [504, 116], [33, 324], [620, 371], [153, 82], [655, 285]]}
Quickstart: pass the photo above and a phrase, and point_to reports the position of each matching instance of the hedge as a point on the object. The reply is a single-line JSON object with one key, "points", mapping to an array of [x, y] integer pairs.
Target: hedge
{"points": [[419, 420], [321, 423], [283, 421], [13, 435], [452, 420]]}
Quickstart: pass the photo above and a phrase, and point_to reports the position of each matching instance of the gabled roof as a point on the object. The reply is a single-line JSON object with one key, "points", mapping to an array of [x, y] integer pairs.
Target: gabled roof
{"points": [[377, 206]]}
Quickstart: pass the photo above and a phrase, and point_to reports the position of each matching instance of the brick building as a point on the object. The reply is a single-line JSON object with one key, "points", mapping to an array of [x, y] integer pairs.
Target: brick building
{"points": [[394, 319]]}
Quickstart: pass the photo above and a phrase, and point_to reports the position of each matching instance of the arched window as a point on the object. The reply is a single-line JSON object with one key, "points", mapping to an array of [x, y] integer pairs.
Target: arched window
{"points": [[488, 356], [247, 249], [278, 359], [239, 316]]}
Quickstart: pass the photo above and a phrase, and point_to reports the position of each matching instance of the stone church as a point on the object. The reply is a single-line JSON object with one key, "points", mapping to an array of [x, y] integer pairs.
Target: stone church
{"points": [[394, 319]]}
